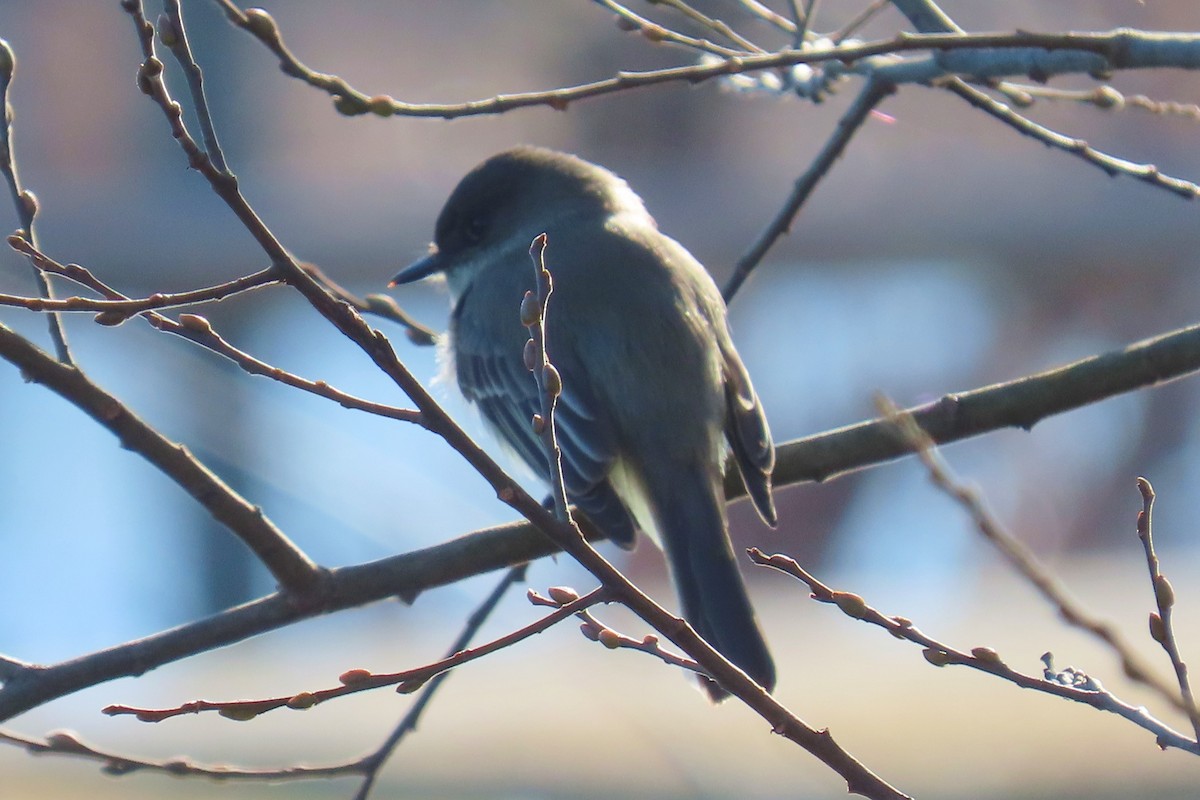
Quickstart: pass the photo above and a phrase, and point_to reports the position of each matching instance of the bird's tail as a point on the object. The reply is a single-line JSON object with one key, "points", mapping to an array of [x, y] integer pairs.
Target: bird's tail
{"points": [[691, 523]]}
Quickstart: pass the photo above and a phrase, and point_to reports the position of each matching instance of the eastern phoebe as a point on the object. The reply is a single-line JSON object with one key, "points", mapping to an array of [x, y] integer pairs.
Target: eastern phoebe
{"points": [[654, 393]]}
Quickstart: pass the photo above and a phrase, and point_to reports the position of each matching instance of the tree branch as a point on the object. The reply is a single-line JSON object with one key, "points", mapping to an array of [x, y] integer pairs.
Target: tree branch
{"points": [[287, 563]]}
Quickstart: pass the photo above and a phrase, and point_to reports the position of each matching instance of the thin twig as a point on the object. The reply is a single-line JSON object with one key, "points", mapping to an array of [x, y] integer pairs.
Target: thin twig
{"points": [[380, 305], [174, 35], [1111, 165], [68, 743], [650, 644], [372, 763], [804, 23], [24, 200], [117, 308], [1162, 627], [660, 34], [361, 680], [860, 19], [769, 15], [714, 25], [1069, 684], [872, 94], [549, 382], [1023, 560]]}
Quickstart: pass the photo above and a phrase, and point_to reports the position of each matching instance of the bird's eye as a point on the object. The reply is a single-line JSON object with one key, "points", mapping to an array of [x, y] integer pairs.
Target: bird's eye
{"points": [[473, 230]]}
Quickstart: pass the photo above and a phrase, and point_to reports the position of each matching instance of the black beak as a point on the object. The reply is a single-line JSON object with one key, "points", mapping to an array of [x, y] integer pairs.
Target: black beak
{"points": [[429, 265]]}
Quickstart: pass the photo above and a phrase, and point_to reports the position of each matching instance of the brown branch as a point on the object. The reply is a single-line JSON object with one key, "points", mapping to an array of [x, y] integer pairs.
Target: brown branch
{"points": [[1021, 403], [596, 631], [628, 20], [405, 576], [1162, 627], [1117, 48], [119, 310], [872, 94], [1026, 564], [1111, 165], [1069, 684], [373, 762], [287, 563], [361, 680], [24, 200], [196, 329], [381, 305], [859, 19], [715, 25], [68, 743]]}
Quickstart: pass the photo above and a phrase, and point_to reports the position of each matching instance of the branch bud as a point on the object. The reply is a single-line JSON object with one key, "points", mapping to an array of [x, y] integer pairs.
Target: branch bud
{"points": [[551, 380], [609, 638], [238, 713], [302, 700], [939, 658], [353, 677], [852, 605], [530, 313], [166, 31], [1164, 593], [987, 655], [1158, 631], [562, 594], [261, 24]]}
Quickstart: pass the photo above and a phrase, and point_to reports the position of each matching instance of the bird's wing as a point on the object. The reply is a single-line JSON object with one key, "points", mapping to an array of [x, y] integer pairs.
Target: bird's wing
{"points": [[748, 435], [506, 393]]}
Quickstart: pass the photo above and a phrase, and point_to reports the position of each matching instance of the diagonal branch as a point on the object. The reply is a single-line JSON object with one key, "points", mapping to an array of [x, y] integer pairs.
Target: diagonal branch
{"points": [[23, 199], [984, 659], [1021, 403], [1162, 627], [872, 94], [1111, 165], [287, 563]]}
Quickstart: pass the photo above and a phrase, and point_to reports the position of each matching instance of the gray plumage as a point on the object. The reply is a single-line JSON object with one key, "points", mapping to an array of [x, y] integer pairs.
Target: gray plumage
{"points": [[654, 390]]}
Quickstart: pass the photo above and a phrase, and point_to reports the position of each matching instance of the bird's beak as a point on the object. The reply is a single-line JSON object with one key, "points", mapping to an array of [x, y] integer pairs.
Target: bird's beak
{"points": [[429, 265]]}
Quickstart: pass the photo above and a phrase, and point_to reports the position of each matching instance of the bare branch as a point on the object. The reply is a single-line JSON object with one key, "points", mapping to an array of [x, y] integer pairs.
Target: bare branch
{"points": [[715, 25], [361, 680], [1021, 403], [1162, 627], [119, 310], [872, 94], [174, 35], [1023, 560], [1111, 165], [68, 743], [1069, 684], [1019, 53], [654, 32], [287, 563], [24, 200], [549, 382], [372, 763]]}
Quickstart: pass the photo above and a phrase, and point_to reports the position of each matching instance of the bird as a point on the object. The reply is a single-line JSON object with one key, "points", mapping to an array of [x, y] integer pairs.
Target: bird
{"points": [[654, 394]]}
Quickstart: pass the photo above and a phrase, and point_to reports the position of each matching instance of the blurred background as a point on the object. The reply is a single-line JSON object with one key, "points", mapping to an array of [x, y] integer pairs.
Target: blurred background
{"points": [[942, 253]]}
